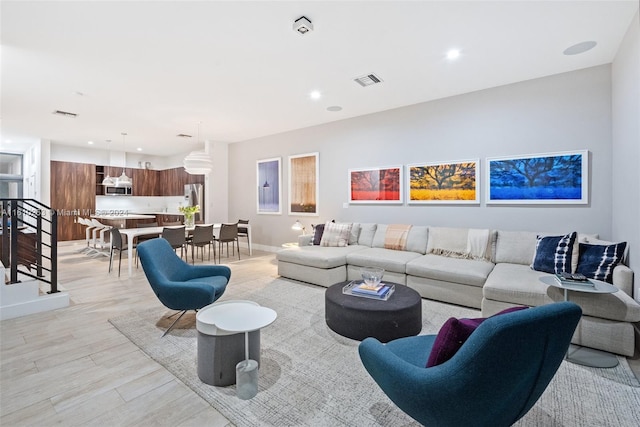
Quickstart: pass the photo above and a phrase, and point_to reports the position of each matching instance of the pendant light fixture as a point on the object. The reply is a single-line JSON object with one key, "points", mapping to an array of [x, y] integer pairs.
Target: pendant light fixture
{"points": [[108, 181], [198, 162], [124, 179]]}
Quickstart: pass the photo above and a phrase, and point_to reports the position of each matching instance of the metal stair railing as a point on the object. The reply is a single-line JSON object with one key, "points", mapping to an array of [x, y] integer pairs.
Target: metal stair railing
{"points": [[42, 222]]}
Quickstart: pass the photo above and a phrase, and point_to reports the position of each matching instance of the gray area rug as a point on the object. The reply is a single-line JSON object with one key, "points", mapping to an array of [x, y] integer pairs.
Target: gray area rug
{"points": [[310, 376]]}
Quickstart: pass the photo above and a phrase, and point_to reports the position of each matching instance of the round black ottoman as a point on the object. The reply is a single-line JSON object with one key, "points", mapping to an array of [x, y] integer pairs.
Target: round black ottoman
{"points": [[358, 318]]}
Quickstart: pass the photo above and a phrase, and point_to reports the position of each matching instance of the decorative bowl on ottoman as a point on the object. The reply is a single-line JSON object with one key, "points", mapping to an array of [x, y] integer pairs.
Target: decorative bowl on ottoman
{"points": [[372, 276]]}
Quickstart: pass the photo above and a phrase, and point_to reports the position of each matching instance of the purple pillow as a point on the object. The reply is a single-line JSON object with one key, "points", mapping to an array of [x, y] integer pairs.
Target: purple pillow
{"points": [[454, 333]]}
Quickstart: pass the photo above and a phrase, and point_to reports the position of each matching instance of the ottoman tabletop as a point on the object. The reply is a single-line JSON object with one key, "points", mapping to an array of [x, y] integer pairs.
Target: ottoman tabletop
{"points": [[358, 318]]}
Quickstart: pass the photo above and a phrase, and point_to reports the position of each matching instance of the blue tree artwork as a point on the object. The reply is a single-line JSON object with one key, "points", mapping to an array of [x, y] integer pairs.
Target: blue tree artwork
{"points": [[559, 178]]}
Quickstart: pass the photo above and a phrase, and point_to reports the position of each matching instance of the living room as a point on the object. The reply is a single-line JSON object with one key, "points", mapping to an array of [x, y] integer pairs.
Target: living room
{"points": [[593, 108]]}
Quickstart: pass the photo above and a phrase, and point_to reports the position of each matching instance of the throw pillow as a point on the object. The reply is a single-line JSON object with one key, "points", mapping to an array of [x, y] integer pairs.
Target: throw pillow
{"points": [[598, 261], [454, 333], [553, 253], [318, 230], [336, 234]]}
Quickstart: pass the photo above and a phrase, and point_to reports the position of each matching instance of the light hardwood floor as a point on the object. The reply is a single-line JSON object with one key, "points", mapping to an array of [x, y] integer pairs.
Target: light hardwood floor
{"points": [[71, 367]]}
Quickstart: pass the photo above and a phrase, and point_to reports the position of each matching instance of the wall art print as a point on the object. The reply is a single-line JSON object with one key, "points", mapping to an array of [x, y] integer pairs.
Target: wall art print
{"points": [[376, 185], [269, 173], [451, 182], [304, 184], [551, 178]]}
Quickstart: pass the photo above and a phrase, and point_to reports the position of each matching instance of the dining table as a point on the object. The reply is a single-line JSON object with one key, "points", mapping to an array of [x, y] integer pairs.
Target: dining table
{"points": [[132, 233]]}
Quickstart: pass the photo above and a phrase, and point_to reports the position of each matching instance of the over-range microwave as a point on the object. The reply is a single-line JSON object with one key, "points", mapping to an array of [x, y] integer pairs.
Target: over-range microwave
{"points": [[117, 191]]}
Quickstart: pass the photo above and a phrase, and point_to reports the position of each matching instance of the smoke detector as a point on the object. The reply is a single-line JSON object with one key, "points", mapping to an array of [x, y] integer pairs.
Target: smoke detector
{"points": [[302, 25]]}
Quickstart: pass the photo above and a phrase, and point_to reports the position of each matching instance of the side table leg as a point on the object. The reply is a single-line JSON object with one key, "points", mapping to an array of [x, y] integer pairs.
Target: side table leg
{"points": [[589, 356], [247, 374]]}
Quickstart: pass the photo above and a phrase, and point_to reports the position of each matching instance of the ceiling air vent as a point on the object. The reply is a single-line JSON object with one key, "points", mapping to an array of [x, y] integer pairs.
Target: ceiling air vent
{"points": [[65, 114], [183, 135], [368, 80]]}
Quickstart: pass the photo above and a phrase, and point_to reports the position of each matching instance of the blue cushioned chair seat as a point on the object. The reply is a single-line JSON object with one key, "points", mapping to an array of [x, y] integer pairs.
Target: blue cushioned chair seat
{"points": [[413, 350]]}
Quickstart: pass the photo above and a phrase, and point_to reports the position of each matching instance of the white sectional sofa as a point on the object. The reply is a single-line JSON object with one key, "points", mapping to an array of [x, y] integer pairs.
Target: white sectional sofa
{"points": [[485, 269]]}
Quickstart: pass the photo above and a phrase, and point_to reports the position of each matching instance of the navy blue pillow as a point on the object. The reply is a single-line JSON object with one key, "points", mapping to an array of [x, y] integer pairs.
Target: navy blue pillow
{"points": [[598, 261], [553, 253], [318, 231]]}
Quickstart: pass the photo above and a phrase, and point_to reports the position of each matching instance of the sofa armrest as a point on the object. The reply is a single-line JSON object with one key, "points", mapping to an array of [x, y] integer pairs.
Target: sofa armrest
{"points": [[623, 279], [305, 239]]}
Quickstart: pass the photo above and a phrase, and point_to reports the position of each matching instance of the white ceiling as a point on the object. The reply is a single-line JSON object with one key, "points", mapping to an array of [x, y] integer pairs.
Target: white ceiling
{"points": [[155, 69]]}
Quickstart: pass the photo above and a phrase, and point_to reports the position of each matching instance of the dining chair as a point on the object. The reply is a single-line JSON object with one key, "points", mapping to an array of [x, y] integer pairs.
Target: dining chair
{"points": [[176, 236], [244, 231], [116, 244], [228, 234], [202, 236], [141, 239]]}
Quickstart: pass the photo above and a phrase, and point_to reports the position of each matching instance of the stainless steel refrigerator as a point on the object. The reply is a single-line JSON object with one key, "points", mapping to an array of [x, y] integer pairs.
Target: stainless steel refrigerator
{"points": [[194, 195]]}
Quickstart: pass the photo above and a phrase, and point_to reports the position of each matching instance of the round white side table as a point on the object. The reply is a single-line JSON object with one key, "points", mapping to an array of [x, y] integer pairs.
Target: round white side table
{"points": [[232, 317]]}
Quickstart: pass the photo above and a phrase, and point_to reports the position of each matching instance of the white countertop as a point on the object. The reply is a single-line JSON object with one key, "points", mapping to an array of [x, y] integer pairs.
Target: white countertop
{"points": [[158, 213], [126, 216]]}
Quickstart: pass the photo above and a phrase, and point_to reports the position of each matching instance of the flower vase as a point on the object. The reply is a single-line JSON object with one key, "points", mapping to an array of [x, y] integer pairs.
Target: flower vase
{"points": [[189, 221]]}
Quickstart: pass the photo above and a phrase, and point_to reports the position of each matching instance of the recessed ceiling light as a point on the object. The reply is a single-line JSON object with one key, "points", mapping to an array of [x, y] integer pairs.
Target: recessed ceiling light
{"points": [[453, 54], [139, 148], [90, 142], [8, 141], [334, 108], [315, 94], [580, 48]]}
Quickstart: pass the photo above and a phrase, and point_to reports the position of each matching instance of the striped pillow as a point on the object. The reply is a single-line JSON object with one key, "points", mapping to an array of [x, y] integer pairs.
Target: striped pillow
{"points": [[598, 261], [336, 234], [553, 253]]}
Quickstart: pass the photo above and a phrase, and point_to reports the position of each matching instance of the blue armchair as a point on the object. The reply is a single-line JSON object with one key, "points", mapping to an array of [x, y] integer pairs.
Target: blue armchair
{"points": [[494, 379], [178, 285]]}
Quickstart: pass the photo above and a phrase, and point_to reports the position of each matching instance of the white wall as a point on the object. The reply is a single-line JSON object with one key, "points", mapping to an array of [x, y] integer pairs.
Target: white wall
{"points": [[626, 147], [112, 157], [45, 172], [570, 111]]}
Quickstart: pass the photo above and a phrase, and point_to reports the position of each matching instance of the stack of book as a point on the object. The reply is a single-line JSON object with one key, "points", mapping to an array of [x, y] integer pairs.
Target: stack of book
{"points": [[378, 291], [573, 279]]}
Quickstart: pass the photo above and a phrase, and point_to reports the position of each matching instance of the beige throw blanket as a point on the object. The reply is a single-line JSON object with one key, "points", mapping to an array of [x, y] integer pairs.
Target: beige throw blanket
{"points": [[477, 241], [396, 236]]}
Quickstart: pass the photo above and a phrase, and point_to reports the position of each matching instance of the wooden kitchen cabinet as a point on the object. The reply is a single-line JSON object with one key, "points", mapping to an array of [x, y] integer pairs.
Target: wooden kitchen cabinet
{"points": [[73, 187], [116, 171], [146, 182], [167, 218], [174, 180]]}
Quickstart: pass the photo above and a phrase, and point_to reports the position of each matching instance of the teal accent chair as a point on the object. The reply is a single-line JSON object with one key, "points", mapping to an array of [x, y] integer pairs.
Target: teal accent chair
{"points": [[178, 285], [494, 379]]}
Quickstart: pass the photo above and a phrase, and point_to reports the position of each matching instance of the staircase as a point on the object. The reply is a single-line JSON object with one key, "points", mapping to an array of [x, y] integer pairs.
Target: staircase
{"points": [[28, 259]]}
